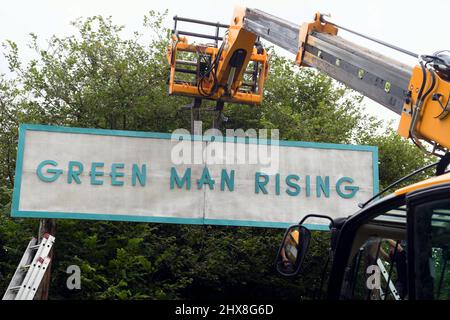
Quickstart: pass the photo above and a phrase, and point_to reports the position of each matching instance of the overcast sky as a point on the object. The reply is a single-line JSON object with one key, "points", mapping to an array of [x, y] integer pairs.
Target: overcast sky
{"points": [[419, 26]]}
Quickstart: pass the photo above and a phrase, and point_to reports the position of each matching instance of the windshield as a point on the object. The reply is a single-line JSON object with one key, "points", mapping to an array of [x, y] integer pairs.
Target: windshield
{"points": [[377, 269]]}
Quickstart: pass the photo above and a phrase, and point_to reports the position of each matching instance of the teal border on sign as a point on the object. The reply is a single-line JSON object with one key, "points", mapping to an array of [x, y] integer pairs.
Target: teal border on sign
{"points": [[23, 128]]}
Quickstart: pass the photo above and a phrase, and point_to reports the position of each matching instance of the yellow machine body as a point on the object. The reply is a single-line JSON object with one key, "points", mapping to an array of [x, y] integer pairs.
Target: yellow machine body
{"points": [[218, 85], [306, 29], [445, 178], [433, 122]]}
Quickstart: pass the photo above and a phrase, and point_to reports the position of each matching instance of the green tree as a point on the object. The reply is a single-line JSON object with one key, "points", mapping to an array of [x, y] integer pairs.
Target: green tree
{"points": [[397, 157]]}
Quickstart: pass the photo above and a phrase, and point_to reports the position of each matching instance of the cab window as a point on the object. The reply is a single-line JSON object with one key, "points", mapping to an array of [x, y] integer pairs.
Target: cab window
{"points": [[431, 234], [377, 269]]}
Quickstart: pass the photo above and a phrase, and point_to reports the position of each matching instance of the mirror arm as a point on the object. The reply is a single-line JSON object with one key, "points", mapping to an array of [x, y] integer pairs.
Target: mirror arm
{"points": [[317, 216]]}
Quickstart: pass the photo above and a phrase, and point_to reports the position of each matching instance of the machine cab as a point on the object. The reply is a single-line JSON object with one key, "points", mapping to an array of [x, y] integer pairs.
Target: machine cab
{"points": [[396, 248]]}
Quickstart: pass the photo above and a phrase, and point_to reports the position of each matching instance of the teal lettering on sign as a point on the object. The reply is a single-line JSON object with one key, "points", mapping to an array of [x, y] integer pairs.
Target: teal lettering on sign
{"points": [[73, 174], [114, 174], [277, 184], [205, 179], [94, 173], [54, 173], [227, 179], [293, 185], [140, 175], [352, 189], [261, 185], [323, 186], [308, 186], [175, 179]]}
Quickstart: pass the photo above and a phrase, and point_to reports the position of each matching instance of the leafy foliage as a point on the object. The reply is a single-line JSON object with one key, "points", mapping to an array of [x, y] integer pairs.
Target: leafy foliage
{"points": [[397, 157]]}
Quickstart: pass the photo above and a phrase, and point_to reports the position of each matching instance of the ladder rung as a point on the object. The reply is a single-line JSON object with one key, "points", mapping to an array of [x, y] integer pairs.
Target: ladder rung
{"points": [[31, 270]]}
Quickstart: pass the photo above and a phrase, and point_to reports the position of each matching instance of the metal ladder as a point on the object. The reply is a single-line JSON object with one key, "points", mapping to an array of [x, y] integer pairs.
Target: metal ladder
{"points": [[31, 270], [392, 288]]}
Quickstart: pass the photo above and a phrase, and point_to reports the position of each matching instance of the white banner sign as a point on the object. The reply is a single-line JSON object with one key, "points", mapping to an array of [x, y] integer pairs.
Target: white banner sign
{"points": [[153, 177]]}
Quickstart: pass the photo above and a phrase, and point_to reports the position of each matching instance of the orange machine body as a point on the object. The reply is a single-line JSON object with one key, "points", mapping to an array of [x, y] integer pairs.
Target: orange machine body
{"points": [[306, 29], [218, 85], [433, 121]]}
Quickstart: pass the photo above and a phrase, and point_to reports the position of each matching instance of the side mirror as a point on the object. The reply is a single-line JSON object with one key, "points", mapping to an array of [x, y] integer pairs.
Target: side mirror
{"points": [[292, 250]]}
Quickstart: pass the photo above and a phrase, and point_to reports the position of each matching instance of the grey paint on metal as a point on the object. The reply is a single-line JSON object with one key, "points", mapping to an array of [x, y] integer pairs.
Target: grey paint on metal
{"points": [[390, 70], [385, 70], [363, 81], [276, 30], [369, 90]]}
